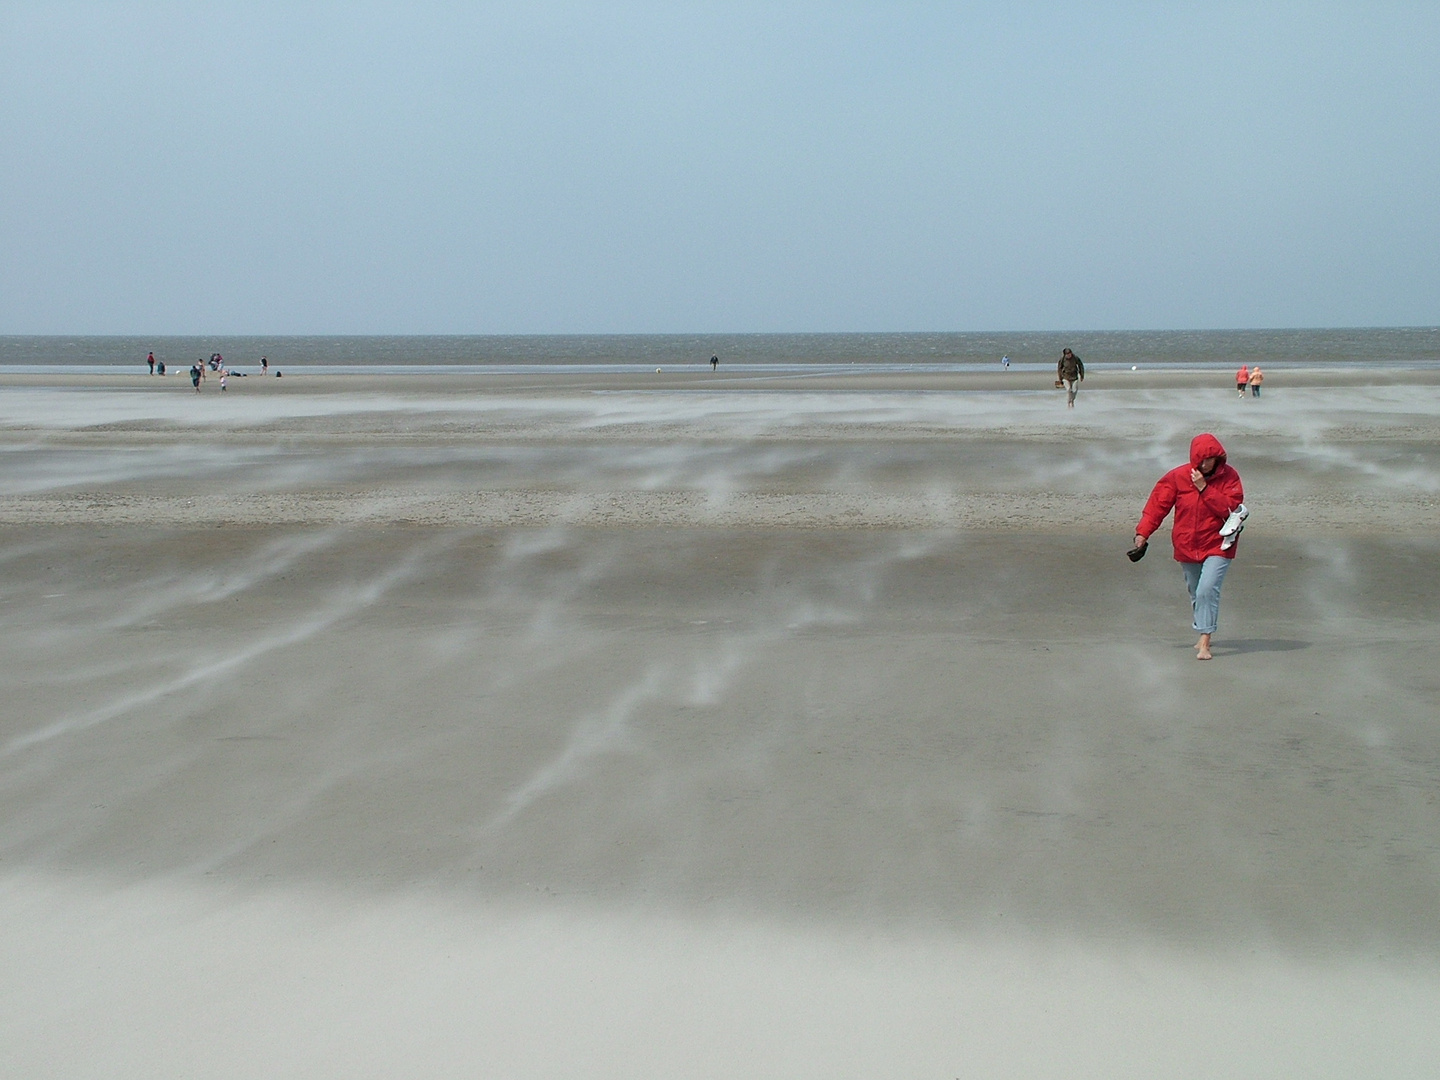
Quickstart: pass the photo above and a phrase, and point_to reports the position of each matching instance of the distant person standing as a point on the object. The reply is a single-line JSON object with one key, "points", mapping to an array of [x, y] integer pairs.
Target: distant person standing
{"points": [[1256, 378], [714, 363], [264, 365], [1242, 379], [1071, 373], [151, 361], [196, 374], [1005, 362], [1207, 497]]}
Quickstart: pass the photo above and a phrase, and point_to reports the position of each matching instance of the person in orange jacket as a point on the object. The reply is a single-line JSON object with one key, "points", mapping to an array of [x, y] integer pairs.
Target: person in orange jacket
{"points": [[1204, 495]]}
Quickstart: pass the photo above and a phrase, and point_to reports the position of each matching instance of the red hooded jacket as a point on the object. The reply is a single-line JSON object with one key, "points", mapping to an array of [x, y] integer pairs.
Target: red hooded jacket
{"points": [[1198, 514]]}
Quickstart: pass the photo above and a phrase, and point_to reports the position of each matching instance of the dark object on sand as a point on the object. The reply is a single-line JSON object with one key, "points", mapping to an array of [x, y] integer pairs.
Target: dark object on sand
{"points": [[1135, 554]]}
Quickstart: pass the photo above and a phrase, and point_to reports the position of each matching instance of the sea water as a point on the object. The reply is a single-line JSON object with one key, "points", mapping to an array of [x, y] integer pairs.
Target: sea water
{"points": [[1395, 347]]}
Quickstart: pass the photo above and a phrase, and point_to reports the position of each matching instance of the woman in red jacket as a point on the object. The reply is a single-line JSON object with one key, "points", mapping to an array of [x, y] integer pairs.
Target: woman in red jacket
{"points": [[1203, 494]]}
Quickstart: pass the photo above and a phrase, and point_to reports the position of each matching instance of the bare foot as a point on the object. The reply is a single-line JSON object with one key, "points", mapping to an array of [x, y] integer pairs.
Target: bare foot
{"points": [[1202, 648]]}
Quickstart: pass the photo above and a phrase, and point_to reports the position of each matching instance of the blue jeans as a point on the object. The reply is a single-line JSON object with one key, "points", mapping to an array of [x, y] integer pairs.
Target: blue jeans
{"points": [[1204, 581]]}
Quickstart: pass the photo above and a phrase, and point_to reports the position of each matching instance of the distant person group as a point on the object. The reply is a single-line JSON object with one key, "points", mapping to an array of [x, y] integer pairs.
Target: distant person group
{"points": [[198, 370], [1070, 373]]}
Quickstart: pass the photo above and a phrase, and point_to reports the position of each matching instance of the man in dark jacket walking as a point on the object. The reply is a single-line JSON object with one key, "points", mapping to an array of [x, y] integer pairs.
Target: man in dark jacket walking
{"points": [[1070, 372], [1205, 495]]}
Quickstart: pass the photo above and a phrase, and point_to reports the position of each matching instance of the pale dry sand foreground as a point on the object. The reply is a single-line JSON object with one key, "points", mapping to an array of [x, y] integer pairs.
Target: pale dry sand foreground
{"points": [[533, 728]]}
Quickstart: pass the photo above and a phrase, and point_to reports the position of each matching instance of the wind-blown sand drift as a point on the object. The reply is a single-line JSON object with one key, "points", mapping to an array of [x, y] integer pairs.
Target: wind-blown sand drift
{"points": [[530, 727]]}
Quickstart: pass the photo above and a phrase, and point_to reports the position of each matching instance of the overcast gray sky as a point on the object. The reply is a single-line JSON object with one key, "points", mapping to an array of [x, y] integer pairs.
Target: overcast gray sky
{"points": [[230, 167]]}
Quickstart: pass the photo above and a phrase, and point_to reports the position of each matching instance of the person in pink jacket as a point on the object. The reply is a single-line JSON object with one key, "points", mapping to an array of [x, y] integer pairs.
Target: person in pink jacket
{"points": [[1207, 497]]}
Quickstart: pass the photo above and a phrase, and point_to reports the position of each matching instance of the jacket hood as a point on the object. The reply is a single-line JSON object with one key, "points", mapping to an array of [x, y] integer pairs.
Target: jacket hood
{"points": [[1203, 446]]}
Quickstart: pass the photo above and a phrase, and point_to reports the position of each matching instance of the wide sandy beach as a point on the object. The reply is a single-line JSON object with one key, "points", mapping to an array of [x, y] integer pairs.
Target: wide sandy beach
{"points": [[693, 724]]}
